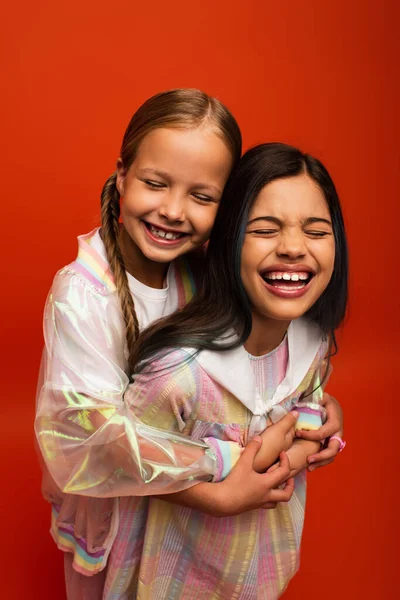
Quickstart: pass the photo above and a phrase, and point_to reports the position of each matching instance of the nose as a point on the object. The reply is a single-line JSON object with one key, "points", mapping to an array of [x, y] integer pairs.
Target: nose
{"points": [[292, 245], [172, 207]]}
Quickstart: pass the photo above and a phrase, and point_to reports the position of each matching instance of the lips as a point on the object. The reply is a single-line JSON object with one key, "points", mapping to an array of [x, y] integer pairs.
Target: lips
{"points": [[288, 281], [164, 236]]}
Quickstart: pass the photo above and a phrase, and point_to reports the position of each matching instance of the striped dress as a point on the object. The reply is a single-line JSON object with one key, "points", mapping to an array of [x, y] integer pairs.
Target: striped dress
{"points": [[169, 552]]}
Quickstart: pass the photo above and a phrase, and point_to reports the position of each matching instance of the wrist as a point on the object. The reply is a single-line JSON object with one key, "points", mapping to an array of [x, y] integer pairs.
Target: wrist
{"points": [[259, 463], [225, 455]]}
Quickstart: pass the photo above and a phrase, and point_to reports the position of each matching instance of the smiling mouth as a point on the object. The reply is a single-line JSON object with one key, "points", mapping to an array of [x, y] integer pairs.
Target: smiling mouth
{"points": [[159, 233], [287, 281]]}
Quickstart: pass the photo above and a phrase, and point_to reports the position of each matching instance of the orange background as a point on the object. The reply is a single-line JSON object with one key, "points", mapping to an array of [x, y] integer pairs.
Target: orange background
{"points": [[319, 74]]}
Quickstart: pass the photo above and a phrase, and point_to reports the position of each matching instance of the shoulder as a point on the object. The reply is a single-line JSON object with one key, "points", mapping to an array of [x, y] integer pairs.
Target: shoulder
{"points": [[89, 272], [171, 368], [85, 286]]}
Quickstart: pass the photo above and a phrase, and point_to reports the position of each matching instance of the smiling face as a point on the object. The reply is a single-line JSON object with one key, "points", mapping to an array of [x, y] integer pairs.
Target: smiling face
{"points": [[171, 192], [289, 249]]}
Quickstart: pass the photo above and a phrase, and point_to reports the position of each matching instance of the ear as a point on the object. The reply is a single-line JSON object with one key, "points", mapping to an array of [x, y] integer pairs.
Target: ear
{"points": [[121, 174]]}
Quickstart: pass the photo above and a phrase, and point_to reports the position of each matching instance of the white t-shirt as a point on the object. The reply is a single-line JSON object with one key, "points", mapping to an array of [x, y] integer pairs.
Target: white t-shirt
{"points": [[150, 303]]}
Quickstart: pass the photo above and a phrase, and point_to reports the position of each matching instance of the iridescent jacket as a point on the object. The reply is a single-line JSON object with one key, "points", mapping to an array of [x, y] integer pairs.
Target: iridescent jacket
{"points": [[94, 447]]}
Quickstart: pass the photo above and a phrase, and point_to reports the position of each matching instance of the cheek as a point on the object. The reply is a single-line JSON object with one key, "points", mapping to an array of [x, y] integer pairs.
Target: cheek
{"points": [[202, 219], [254, 253], [137, 202]]}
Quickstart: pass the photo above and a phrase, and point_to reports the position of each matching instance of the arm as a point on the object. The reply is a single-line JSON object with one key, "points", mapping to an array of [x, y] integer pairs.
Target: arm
{"points": [[89, 437], [275, 439], [232, 497], [299, 453]]}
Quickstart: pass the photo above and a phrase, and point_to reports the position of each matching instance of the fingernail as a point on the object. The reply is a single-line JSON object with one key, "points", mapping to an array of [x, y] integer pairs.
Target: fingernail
{"points": [[295, 414], [311, 469], [311, 460]]}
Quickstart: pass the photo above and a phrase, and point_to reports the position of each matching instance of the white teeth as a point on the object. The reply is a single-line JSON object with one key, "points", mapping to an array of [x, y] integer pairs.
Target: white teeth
{"points": [[168, 235], [290, 287], [287, 276]]}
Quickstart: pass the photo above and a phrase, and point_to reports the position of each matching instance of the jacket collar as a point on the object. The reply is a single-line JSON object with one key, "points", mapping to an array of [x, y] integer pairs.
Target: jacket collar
{"points": [[93, 265], [232, 369]]}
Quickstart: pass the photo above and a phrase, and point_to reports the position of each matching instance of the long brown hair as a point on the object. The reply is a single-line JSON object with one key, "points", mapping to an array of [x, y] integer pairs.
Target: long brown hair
{"points": [[222, 305], [186, 108]]}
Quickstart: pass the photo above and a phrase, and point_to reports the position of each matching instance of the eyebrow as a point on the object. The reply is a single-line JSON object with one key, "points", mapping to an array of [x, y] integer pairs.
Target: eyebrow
{"points": [[309, 221], [164, 175]]}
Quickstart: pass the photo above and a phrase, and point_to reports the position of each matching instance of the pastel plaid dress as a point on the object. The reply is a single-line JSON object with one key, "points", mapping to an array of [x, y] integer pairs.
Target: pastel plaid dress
{"points": [[169, 552]]}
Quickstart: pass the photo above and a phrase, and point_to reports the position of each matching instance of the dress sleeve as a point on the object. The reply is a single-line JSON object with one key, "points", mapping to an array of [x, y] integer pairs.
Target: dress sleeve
{"points": [[90, 439], [311, 412]]}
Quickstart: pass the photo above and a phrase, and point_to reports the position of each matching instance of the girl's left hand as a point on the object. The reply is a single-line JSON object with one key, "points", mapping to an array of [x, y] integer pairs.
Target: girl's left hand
{"points": [[332, 427]]}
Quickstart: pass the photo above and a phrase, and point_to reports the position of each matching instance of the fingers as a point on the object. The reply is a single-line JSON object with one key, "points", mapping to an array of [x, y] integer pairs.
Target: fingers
{"points": [[288, 421], [268, 505], [326, 456], [333, 424], [282, 495], [315, 435], [334, 415], [281, 473], [273, 468], [327, 399], [248, 454], [331, 427], [324, 463]]}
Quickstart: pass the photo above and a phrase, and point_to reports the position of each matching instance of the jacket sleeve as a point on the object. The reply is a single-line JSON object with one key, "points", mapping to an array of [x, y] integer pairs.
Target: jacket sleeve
{"points": [[311, 412], [89, 437], [168, 395]]}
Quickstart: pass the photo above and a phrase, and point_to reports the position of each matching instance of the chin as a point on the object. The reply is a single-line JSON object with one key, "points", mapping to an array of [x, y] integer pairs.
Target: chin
{"points": [[161, 257], [285, 313]]}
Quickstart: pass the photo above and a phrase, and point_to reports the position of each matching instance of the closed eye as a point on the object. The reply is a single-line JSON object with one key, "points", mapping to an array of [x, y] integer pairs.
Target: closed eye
{"points": [[264, 231], [154, 184], [203, 198], [318, 233]]}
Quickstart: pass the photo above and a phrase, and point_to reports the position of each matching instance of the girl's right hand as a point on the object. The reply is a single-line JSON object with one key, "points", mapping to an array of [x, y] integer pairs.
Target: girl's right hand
{"points": [[275, 439], [243, 489]]}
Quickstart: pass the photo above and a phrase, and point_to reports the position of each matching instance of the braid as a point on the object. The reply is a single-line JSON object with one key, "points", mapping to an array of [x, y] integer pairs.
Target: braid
{"points": [[110, 211]]}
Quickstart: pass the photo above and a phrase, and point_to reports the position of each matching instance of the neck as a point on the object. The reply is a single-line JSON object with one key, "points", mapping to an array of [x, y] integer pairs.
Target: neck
{"points": [[137, 264], [266, 334]]}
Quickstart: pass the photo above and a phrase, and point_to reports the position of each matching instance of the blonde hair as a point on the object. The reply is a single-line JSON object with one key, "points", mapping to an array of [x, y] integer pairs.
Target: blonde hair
{"points": [[175, 108]]}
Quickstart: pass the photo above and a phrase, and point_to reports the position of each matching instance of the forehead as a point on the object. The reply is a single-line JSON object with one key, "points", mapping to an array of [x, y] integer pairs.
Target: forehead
{"points": [[198, 151], [290, 199]]}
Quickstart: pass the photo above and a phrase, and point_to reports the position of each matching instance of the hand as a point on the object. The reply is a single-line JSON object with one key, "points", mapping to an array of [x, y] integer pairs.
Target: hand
{"points": [[333, 426], [244, 489], [298, 455], [275, 439]]}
